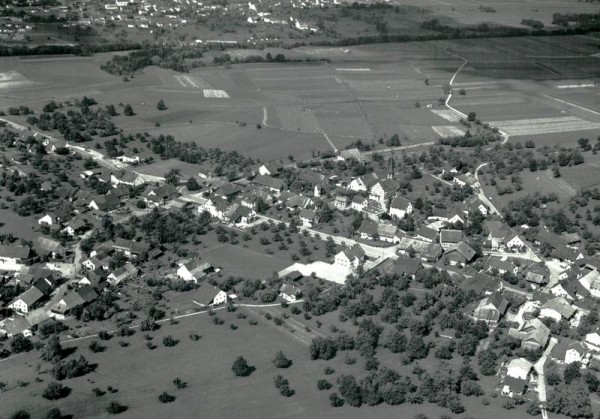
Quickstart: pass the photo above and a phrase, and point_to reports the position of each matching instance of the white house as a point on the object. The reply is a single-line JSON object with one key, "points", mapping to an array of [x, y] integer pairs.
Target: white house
{"points": [[514, 242], [307, 217], [47, 220], [12, 258], [194, 270], [350, 258], [593, 340], [359, 203], [26, 301], [557, 309], [290, 293], [400, 207], [210, 296], [519, 368], [363, 183]]}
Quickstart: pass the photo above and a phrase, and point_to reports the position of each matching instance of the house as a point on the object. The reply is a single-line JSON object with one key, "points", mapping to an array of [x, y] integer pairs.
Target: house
{"points": [[567, 255], [502, 266], [194, 270], [557, 309], [77, 298], [48, 248], [125, 177], [131, 249], [290, 293], [533, 334], [572, 240], [592, 340], [460, 255], [367, 229], [228, 190], [13, 257], [293, 200], [210, 296], [427, 234], [349, 154], [307, 217], [513, 241], [562, 290], [536, 274], [121, 274], [464, 180], [76, 226], [359, 203], [94, 279], [387, 232], [242, 216], [519, 368], [159, 195], [217, 207], [428, 252], [491, 308], [514, 387], [591, 282], [48, 220], [269, 183], [383, 191], [450, 238], [256, 199], [363, 183], [128, 160], [403, 266], [400, 207], [341, 202], [567, 351], [27, 300], [105, 203], [350, 258], [17, 325], [272, 168]]}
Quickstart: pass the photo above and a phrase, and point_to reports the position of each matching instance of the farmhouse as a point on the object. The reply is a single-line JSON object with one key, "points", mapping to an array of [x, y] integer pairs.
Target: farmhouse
{"points": [[242, 216], [269, 183], [194, 270], [513, 241], [519, 368], [27, 301], [464, 180], [502, 266], [48, 248], [105, 203], [307, 217], [77, 298], [350, 258], [121, 274], [491, 308], [428, 252], [427, 234], [76, 226], [450, 238], [125, 177], [272, 168], [533, 334], [363, 183], [13, 257], [131, 249], [290, 293], [461, 254], [367, 229], [557, 309], [159, 195], [568, 351], [383, 191], [387, 232], [400, 207], [349, 154], [359, 203], [403, 266], [228, 190], [341, 202], [210, 296], [217, 207], [17, 325], [536, 274]]}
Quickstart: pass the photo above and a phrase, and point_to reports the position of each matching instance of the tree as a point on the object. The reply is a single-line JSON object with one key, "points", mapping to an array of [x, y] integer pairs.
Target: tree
{"points": [[128, 110], [322, 348], [20, 414], [471, 117], [166, 397], [350, 390], [241, 368], [52, 351], [281, 361], [180, 384], [173, 176], [572, 372], [324, 384], [192, 184], [55, 391], [572, 400], [20, 344], [54, 413], [115, 408], [161, 105], [169, 341], [335, 400]]}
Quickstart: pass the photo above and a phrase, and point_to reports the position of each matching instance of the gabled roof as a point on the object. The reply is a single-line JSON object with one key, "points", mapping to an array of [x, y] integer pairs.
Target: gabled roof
{"points": [[407, 266], [307, 214], [269, 182], [451, 236], [44, 246], [368, 227], [535, 331], [465, 251], [400, 203], [386, 230], [496, 262], [206, 294], [427, 233], [30, 296], [106, 202], [16, 252], [561, 306], [290, 290], [388, 185], [15, 325]]}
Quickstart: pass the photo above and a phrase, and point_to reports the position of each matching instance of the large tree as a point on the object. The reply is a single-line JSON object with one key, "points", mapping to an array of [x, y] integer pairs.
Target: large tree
{"points": [[572, 400]]}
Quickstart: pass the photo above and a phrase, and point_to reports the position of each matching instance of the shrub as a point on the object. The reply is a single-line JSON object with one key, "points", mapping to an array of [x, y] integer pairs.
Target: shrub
{"points": [[335, 400], [324, 384], [114, 408], [179, 383], [169, 341], [55, 391], [54, 413], [96, 347], [20, 414], [241, 368], [281, 361], [166, 397]]}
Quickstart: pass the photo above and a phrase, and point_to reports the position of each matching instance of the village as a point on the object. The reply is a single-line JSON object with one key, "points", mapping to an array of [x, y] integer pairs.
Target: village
{"points": [[540, 298]]}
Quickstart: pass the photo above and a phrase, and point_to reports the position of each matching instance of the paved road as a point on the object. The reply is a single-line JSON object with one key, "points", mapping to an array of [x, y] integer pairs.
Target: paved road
{"points": [[541, 381]]}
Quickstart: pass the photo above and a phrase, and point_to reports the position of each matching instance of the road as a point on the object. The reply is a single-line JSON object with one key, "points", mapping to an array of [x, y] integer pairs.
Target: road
{"points": [[541, 381]]}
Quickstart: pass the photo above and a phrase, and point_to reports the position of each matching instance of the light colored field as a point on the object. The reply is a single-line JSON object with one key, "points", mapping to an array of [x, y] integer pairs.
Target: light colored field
{"points": [[297, 118], [448, 115], [242, 262], [215, 94], [13, 79], [449, 131], [539, 126], [191, 81]]}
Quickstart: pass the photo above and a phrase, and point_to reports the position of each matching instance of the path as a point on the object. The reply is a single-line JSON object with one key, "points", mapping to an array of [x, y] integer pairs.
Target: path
{"points": [[482, 196], [541, 381]]}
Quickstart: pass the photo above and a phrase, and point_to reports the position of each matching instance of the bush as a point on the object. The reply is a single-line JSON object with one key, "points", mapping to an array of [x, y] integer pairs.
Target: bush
{"points": [[322, 348], [166, 397], [20, 414], [335, 400], [54, 413], [55, 391], [96, 347], [241, 368], [73, 368], [324, 385], [104, 335], [179, 383], [114, 408], [281, 361], [169, 341]]}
